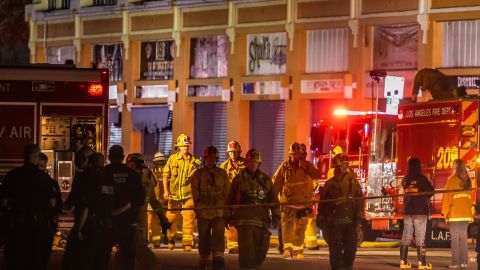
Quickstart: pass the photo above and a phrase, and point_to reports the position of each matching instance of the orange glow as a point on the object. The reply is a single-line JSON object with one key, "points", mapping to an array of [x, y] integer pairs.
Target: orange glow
{"points": [[342, 112], [400, 115], [95, 89]]}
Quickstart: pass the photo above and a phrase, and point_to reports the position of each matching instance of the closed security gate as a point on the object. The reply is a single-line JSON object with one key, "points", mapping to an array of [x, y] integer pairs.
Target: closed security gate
{"points": [[267, 132], [210, 128]]}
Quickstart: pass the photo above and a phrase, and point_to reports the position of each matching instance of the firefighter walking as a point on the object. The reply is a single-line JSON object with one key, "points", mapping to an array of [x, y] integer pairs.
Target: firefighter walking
{"points": [[209, 189], [154, 227], [178, 191], [293, 182], [339, 219], [233, 165], [252, 186]]}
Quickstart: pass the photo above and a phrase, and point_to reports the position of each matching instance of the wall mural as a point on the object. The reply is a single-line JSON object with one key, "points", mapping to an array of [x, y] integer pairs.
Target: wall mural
{"points": [[395, 47], [208, 57]]}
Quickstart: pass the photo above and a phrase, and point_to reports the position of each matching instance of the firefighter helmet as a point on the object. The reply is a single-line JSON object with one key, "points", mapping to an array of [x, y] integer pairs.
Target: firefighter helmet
{"points": [[211, 151], [254, 156], [159, 159], [339, 159], [337, 150], [295, 148], [137, 158], [183, 140], [234, 146]]}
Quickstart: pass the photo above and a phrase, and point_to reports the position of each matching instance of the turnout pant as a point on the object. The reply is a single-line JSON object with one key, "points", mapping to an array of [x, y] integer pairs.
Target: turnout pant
{"points": [[311, 233], [211, 240], [293, 231], [232, 238], [342, 245], [253, 244], [154, 228], [188, 220]]}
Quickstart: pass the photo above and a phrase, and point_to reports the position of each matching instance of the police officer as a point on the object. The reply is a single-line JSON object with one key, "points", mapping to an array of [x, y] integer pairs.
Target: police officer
{"points": [[210, 186], [129, 198], [145, 259], [252, 186], [156, 234], [339, 220], [293, 182], [233, 165], [311, 230], [178, 191], [28, 194]]}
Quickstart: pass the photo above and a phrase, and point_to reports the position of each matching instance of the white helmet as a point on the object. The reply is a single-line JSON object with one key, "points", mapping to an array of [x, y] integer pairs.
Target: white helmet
{"points": [[159, 159]]}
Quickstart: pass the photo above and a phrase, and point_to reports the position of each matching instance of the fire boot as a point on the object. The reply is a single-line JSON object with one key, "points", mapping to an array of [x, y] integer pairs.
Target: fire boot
{"points": [[404, 257], [422, 258], [218, 262]]}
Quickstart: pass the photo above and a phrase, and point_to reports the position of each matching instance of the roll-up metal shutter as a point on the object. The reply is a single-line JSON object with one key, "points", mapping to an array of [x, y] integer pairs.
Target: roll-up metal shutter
{"points": [[210, 127], [267, 133], [114, 135]]}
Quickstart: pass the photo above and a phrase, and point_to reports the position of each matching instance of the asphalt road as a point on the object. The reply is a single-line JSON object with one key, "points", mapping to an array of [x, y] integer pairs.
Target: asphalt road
{"points": [[367, 258]]}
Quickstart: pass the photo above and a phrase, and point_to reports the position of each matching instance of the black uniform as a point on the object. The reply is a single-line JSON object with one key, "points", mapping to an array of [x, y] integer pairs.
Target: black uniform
{"points": [[28, 192], [128, 189]]}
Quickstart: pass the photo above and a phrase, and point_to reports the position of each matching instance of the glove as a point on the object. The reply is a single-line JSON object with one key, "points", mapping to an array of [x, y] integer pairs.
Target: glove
{"points": [[275, 221], [228, 221]]}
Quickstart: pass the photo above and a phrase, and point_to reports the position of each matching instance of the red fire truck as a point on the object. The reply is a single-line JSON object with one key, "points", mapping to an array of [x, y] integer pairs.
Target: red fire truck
{"points": [[61, 108], [436, 132]]}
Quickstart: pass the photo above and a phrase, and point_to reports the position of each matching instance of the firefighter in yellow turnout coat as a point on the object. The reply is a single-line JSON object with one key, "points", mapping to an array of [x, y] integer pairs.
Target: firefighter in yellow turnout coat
{"points": [[293, 182], [178, 191], [233, 165], [156, 228], [210, 186]]}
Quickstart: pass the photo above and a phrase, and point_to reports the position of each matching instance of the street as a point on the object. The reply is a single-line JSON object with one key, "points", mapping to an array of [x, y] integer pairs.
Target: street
{"points": [[367, 258]]}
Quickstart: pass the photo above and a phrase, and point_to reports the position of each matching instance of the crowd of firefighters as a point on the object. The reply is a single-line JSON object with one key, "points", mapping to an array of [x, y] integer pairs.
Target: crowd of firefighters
{"points": [[130, 204]]}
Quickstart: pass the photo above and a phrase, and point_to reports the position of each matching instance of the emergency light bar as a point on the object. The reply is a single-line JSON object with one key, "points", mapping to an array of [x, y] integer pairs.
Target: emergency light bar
{"points": [[341, 112]]}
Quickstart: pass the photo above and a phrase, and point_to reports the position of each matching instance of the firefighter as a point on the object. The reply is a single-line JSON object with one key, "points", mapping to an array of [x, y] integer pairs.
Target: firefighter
{"points": [[311, 230], [145, 259], [339, 219], [209, 189], [293, 182], [233, 165], [252, 186], [178, 191], [155, 232]]}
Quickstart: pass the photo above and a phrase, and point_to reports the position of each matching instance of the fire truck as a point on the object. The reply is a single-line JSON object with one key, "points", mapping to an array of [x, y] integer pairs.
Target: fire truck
{"points": [[379, 145], [60, 108]]}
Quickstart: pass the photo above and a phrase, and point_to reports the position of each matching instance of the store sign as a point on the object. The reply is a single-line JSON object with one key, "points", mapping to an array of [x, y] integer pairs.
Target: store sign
{"points": [[151, 91], [111, 58], [464, 80], [322, 86], [261, 88], [156, 62], [16, 132], [208, 57], [59, 55], [395, 47], [213, 90], [266, 54]]}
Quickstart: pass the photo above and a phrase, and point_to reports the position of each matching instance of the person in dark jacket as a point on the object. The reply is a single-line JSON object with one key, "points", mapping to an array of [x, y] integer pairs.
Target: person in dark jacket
{"points": [[28, 194], [339, 219], [128, 200], [416, 211]]}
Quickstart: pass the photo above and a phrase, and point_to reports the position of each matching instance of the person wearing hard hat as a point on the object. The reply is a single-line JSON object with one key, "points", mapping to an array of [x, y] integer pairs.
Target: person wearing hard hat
{"points": [[233, 165], [154, 226], [311, 230], [178, 191], [209, 189], [339, 219], [144, 257], [252, 187], [293, 183]]}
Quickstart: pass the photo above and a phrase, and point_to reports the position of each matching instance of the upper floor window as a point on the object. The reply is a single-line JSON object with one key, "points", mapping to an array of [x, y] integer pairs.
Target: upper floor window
{"points": [[104, 2], [54, 4], [327, 50], [461, 42]]}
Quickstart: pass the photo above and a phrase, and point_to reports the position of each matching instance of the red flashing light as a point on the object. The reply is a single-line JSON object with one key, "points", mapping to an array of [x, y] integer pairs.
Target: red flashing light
{"points": [[95, 89]]}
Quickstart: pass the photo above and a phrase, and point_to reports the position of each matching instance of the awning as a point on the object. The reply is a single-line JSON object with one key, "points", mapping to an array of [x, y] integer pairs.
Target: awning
{"points": [[149, 117], [113, 116]]}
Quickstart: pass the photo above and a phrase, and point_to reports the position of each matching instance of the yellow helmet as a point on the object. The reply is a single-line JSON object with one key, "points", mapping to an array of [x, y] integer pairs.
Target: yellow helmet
{"points": [[295, 148], [183, 140], [337, 150], [234, 146]]}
